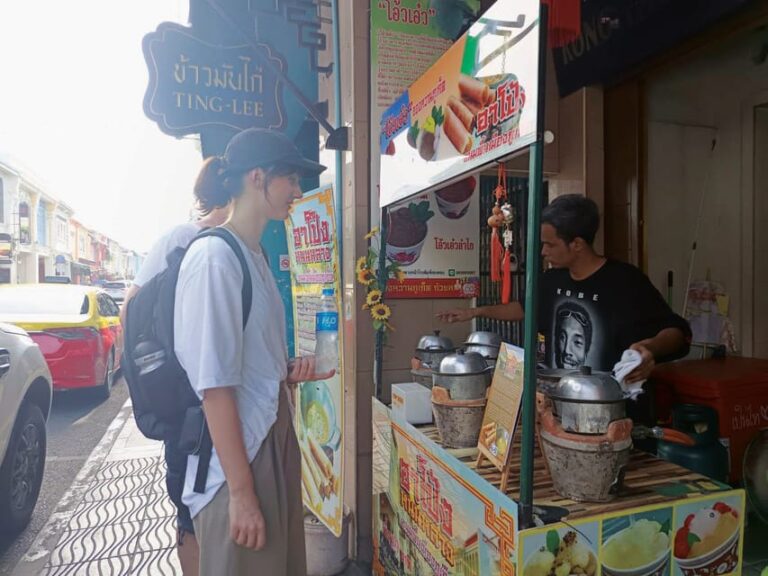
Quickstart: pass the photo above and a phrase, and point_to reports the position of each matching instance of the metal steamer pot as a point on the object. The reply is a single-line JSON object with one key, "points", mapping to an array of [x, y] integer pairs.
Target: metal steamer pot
{"points": [[433, 348], [586, 402], [466, 375], [487, 344]]}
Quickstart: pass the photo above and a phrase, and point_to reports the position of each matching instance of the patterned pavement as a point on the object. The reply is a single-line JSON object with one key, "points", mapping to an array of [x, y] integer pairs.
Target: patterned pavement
{"points": [[124, 523]]}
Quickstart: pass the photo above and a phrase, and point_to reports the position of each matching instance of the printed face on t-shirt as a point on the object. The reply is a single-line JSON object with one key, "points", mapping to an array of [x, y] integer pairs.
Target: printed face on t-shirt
{"points": [[573, 336]]}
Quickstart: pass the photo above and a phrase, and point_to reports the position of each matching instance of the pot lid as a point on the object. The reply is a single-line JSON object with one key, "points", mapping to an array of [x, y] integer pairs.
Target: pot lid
{"points": [[434, 343], [588, 386], [485, 350], [484, 339], [463, 363]]}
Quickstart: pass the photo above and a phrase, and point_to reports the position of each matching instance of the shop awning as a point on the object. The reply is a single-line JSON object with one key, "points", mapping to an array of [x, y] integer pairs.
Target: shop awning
{"points": [[617, 35]]}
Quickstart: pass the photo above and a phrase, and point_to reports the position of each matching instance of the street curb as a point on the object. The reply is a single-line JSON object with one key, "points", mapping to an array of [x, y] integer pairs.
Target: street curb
{"points": [[35, 559]]}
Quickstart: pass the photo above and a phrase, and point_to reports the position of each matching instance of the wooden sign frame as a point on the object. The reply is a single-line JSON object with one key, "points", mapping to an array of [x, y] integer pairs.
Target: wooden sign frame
{"points": [[502, 413]]}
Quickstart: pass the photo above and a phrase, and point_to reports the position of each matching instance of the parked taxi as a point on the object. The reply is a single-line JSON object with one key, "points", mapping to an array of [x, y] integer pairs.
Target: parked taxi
{"points": [[76, 327]]}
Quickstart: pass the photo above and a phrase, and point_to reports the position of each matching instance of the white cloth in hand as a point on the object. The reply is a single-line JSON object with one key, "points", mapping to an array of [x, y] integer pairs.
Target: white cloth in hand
{"points": [[630, 360]]}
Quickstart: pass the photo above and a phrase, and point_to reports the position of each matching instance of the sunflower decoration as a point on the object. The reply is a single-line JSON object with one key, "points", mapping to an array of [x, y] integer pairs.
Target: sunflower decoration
{"points": [[375, 279], [373, 299]]}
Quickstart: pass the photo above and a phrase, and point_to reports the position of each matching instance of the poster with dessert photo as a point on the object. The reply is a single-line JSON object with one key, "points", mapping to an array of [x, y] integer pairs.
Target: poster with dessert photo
{"points": [[475, 105], [637, 543], [314, 259], [708, 536], [561, 549], [434, 238]]}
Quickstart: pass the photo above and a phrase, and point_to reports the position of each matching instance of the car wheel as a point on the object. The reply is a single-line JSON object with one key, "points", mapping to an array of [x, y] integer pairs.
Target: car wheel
{"points": [[105, 388], [21, 473]]}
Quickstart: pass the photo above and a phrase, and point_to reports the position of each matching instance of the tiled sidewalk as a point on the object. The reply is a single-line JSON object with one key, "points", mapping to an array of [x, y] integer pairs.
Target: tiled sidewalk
{"points": [[120, 522]]}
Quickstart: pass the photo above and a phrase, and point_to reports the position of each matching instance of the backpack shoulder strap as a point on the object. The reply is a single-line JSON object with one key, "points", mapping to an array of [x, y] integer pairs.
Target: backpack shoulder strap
{"points": [[230, 239]]}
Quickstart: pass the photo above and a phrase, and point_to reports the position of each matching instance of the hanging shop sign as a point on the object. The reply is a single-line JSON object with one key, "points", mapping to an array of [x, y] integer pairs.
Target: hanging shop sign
{"points": [[475, 105], [434, 238], [194, 84], [314, 262], [617, 35], [437, 516]]}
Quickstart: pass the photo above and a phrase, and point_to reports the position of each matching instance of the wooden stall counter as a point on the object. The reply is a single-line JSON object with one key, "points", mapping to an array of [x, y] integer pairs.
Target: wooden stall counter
{"points": [[434, 512]]}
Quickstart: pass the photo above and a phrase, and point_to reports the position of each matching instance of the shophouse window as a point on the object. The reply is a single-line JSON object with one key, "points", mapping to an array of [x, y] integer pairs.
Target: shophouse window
{"points": [[42, 232], [62, 232]]}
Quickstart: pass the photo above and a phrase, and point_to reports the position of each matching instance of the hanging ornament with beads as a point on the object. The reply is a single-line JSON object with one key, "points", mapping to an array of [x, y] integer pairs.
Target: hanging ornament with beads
{"points": [[506, 264], [496, 222]]}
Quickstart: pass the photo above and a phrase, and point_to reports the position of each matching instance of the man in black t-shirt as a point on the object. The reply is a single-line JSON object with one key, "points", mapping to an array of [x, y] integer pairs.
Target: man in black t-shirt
{"points": [[592, 309]]}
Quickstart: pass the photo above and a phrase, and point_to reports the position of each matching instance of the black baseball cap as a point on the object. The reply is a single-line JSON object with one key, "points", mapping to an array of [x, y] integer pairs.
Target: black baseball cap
{"points": [[259, 148]]}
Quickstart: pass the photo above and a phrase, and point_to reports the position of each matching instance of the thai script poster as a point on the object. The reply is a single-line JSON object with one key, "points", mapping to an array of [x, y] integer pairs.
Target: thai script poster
{"points": [[501, 414], [422, 29], [476, 104], [435, 240], [314, 260], [689, 537], [438, 516]]}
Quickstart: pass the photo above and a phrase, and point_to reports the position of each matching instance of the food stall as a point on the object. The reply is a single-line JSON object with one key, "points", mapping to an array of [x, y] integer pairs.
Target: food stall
{"points": [[521, 470]]}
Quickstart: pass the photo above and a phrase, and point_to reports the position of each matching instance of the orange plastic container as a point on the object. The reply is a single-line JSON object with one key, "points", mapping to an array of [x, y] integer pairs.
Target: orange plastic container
{"points": [[736, 387]]}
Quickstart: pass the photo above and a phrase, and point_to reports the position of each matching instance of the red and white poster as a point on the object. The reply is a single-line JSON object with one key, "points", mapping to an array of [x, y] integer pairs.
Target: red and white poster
{"points": [[434, 238]]}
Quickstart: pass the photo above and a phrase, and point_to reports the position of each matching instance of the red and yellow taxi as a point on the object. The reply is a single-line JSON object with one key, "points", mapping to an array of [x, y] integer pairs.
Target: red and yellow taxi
{"points": [[76, 327]]}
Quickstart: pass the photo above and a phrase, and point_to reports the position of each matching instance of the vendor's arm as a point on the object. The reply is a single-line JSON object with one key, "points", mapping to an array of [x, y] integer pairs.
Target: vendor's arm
{"points": [[512, 312], [665, 344]]}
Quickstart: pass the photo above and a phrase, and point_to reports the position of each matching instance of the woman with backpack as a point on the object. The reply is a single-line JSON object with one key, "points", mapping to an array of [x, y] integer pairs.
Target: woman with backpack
{"points": [[249, 517]]}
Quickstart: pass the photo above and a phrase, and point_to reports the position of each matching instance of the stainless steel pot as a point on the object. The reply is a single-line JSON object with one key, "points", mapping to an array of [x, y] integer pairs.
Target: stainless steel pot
{"points": [[484, 339], [465, 375], [486, 351], [586, 402], [433, 348]]}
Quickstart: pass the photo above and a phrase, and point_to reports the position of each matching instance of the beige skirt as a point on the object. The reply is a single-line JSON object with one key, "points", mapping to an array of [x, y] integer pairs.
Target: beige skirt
{"points": [[277, 478]]}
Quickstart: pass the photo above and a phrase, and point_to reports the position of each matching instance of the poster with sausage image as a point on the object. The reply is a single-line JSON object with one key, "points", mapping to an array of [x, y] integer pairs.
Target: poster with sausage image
{"points": [[473, 106]]}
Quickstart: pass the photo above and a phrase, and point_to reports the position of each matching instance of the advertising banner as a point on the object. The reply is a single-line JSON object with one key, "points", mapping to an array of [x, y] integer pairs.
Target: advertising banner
{"points": [[475, 105], [435, 239], [314, 263], [691, 537], [422, 30], [438, 516]]}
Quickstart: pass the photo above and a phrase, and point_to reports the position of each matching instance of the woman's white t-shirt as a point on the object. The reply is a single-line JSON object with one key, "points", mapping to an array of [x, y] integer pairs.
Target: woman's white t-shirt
{"points": [[216, 352]]}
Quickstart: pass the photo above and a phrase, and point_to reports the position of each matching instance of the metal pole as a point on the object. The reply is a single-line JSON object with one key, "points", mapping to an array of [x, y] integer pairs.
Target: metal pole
{"points": [[535, 185], [378, 367], [339, 182]]}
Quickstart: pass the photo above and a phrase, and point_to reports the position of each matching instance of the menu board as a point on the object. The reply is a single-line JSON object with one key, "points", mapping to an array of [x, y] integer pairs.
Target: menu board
{"points": [[314, 263], [473, 106], [435, 240], [503, 408], [702, 536]]}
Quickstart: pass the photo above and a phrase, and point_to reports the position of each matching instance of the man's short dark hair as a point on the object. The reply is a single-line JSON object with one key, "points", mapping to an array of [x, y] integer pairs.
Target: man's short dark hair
{"points": [[573, 216]]}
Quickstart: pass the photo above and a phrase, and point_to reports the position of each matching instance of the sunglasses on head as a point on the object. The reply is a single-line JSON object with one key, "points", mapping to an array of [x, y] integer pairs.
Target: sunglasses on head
{"points": [[580, 317]]}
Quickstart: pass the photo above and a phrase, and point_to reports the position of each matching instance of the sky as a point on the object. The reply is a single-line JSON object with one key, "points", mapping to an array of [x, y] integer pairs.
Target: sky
{"points": [[72, 83]]}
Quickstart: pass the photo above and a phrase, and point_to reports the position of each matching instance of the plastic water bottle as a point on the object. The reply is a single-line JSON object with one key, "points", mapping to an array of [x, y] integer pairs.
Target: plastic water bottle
{"points": [[327, 334]]}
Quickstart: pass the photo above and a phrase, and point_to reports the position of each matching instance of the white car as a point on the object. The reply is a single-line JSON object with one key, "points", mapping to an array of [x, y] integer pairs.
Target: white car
{"points": [[25, 403], [116, 289]]}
